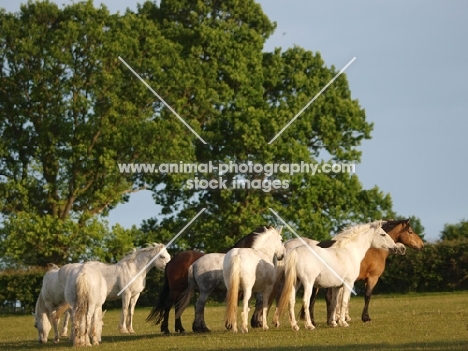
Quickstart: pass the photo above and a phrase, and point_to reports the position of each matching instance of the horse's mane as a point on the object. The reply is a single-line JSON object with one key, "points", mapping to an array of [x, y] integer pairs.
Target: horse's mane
{"points": [[392, 223], [259, 231], [349, 234], [131, 256]]}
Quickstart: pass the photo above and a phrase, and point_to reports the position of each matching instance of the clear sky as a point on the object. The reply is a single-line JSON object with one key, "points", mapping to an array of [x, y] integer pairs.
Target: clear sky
{"points": [[410, 75]]}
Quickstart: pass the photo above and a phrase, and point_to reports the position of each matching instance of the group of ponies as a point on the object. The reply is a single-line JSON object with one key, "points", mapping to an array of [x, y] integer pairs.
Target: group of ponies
{"points": [[357, 253], [82, 289]]}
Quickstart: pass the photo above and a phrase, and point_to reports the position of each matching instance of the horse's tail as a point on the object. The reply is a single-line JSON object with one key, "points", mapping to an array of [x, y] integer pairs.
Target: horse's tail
{"points": [[80, 320], [157, 312], [184, 298], [232, 291], [290, 278]]}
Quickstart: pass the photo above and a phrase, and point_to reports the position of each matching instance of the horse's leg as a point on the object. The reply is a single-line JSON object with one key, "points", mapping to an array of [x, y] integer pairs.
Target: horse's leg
{"points": [[370, 285], [311, 306], [66, 318], [178, 321], [245, 310], [165, 321], [256, 321], [332, 294], [131, 311], [339, 297], [279, 284], [292, 304], [266, 305], [123, 316], [306, 301], [199, 325], [346, 294]]}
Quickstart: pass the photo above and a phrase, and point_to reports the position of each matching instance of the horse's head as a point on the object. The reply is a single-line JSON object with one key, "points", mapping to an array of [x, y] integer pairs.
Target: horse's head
{"points": [[381, 240], [280, 249], [406, 235], [163, 257], [43, 326]]}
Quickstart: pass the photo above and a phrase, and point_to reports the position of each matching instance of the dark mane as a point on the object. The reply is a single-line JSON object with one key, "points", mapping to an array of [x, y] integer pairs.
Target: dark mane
{"points": [[248, 240], [392, 223], [326, 244]]}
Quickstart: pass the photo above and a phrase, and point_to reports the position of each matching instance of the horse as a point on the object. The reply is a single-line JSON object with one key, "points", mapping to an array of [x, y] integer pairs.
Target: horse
{"points": [[82, 290], [50, 298], [85, 290], [373, 264], [176, 283], [342, 259], [133, 266], [251, 270]]}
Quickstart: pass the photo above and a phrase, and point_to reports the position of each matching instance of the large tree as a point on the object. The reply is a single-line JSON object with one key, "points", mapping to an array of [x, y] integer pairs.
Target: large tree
{"points": [[71, 111], [241, 97]]}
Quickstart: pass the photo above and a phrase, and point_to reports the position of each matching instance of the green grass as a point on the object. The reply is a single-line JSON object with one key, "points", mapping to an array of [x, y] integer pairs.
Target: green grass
{"points": [[403, 322]]}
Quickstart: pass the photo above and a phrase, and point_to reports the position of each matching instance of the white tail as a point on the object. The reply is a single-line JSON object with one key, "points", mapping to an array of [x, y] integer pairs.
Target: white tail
{"points": [[233, 292], [290, 275], [80, 320]]}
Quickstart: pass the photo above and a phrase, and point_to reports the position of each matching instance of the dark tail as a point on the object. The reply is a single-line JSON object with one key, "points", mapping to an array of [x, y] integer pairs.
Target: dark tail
{"points": [[157, 312]]}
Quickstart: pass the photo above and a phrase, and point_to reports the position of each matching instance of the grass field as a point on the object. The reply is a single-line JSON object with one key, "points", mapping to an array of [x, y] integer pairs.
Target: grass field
{"points": [[402, 322]]}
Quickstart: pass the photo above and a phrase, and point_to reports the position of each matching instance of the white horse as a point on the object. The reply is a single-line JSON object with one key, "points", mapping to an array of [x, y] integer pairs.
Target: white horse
{"points": [[251, 270], [118, 275], [50, 298], [344, 258], [85, 290]]}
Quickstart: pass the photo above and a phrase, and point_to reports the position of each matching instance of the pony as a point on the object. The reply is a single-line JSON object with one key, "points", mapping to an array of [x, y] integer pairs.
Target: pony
{"points": [[251, 270], [176, 283], [85, 290], [79, 287], [342, 259], [50, 298], [373, 265], [133, 266], [206, 274]]}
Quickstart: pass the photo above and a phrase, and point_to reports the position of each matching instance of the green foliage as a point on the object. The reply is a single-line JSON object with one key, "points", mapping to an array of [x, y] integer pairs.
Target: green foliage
{"points": [[21, 284], [455, 231], [442, 266], [70, 112]]}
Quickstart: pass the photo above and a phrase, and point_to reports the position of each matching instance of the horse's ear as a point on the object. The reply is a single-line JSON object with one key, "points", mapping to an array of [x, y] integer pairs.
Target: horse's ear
{"points": [[280, 229], [407, 221]]}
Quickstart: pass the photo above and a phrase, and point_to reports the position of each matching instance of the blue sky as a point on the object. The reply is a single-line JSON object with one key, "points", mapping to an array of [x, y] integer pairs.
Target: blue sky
{"points": [[410, 75]]}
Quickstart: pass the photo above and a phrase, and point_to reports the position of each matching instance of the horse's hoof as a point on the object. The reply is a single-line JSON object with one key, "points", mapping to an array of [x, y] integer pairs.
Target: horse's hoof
{"points": [[123, 331], [366, 319], [333, 324], [310, 327], [265, 327], [295, 327], [343, 324], [348, 319]]}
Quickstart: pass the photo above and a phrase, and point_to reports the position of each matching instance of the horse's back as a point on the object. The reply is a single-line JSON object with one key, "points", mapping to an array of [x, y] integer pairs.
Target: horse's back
{"points": [[208, 270], [177, 268]]}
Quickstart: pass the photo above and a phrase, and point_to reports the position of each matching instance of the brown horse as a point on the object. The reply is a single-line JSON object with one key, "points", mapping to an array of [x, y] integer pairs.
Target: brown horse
{"points": [[373, 265], [176, 282]]}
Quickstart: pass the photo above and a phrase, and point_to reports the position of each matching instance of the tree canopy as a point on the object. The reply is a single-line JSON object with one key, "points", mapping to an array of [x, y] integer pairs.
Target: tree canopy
{"points": [[70, 112], [455, 231]]}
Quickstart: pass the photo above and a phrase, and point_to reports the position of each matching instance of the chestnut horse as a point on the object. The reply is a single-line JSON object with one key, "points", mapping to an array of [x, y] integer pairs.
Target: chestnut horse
{"points": [[373, 265], [176, 282]]}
